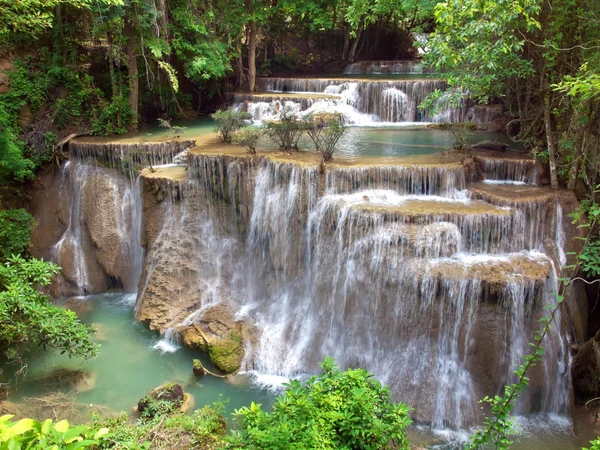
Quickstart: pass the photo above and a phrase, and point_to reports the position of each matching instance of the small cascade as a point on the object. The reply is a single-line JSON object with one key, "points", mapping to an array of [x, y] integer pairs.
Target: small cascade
{"points": [[511, 171], [130, 156], [447, 181], [360, 101], [70, 244], [101, 246], [395, 103], [408, 66]]}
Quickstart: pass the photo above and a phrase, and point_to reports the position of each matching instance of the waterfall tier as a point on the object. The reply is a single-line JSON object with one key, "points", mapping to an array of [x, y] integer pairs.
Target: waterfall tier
{"points": [[386, 67], [409, 268], [433, 283]]}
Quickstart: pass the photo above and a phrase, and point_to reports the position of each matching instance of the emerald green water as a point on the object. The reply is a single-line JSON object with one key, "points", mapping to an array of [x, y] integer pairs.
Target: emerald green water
{"points": [[128, 366], [358, 141]]}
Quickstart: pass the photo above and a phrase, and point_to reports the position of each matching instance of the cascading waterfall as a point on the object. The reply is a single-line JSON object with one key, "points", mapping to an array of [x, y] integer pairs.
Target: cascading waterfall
{"points": [[385, 67], [509, 170], [398, 270], [70, 242], [360, 101], [101, 246]]}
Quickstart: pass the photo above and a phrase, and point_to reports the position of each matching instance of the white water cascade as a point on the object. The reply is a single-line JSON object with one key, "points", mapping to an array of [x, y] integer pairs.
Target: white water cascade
{"points": [[433, 284]]}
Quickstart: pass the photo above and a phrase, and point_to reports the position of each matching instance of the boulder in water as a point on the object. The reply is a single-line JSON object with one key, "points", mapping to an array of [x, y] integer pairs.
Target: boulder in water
{"points": [[167, 398], [217, 333]]}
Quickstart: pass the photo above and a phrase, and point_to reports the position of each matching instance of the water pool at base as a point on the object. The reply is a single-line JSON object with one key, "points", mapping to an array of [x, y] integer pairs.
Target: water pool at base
{"points": [[128, 367]]}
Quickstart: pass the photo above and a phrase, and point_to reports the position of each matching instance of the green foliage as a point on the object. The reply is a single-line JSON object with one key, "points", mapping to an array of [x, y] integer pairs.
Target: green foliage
{"points": [[204, 428], [286, 131], [16, 226], [479, 43], [13, 165], [204, 57], [588, 212], [595, 445], [31, 434], [28, 320], [113, 117], [229, 121], [248, 137], [334, 410], [325, 131]]}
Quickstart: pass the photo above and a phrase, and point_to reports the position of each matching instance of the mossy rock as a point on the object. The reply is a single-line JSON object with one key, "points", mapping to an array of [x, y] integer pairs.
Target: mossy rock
{"points": [[227, 355], [198, 368]]}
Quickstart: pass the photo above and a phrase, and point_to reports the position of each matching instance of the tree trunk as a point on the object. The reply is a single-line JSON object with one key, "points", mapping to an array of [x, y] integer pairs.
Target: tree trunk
{"points": [[574, 170], [346, 43], [252, 56], [352, 53], [134, 78], [552, 150]]}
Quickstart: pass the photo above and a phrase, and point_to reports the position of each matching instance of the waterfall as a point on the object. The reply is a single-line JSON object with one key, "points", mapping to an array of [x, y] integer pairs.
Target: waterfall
{"points": [[101, 245], [385, 67], [395, 269], [509, 170], [395, 103], [360, 101], [72, 238]]}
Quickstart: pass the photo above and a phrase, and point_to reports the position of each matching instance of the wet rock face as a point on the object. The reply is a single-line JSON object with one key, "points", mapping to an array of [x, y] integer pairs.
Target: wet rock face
{"points": [[85, 217]]}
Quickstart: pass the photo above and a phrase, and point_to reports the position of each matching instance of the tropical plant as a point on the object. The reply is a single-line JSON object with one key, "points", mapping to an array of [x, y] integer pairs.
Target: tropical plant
{"points": [[15, 232], [334, 410], [34, 435], [248, 137], [325, 130], [28, 320], [229, 121], [286, 131], [595, 445]]}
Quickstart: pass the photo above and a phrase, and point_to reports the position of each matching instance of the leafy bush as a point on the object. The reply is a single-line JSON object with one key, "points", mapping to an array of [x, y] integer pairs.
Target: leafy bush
{"points": [[335, 410], [248, 137], [15, 232], [229, 121], [595, 445], [28, 319], [113, 117], [325, 131], [287, 131], [31, 434], [13, 164], [588, 212], [203, 429]]}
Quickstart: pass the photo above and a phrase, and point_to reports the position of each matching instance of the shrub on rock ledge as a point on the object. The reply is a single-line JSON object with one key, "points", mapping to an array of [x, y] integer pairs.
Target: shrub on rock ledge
{"points": [[229, 121], [286, 132], [248, 137], [325, 130]]}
